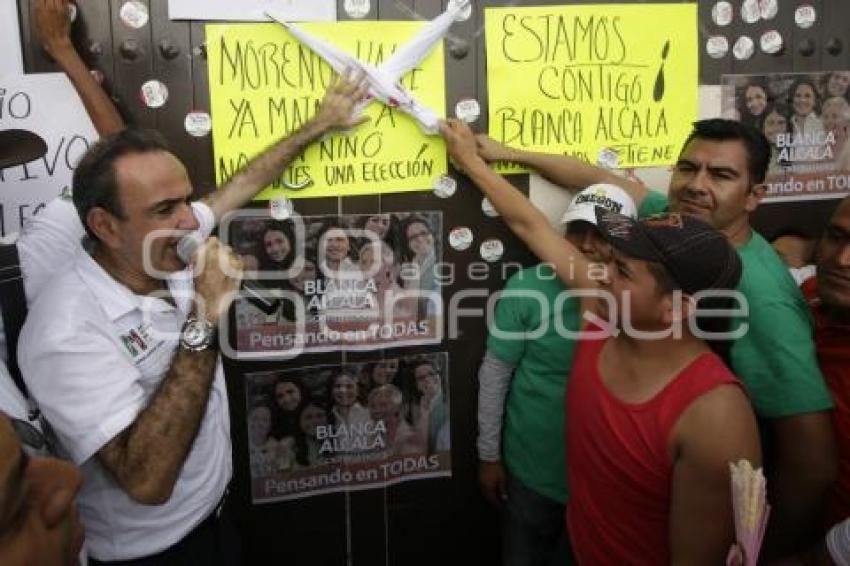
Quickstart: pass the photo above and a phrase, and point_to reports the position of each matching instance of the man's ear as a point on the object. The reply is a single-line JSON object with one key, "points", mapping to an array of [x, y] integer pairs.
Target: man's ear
{"points": [[104, 225], [754, 196], [678, 307]]}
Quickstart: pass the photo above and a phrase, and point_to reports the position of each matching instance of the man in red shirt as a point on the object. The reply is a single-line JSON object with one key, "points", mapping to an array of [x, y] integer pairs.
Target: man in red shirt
{"points": [[829, 296], [654, 417]]}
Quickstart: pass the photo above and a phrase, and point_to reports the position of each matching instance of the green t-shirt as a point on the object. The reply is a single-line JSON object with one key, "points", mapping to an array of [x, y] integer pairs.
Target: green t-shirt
{"points": [[776, 357], [533, 432]]}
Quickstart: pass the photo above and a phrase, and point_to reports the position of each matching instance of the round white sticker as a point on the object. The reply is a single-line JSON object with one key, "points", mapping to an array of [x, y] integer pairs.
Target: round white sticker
{"points": [[468, 110], [743, 48], [134, 14], [280, 208], [750, 11], [464, 14], [717, 47], [198, 124], [491, 250], [771, 42], [768, 9], [71, 11], [805, 16], [488, 209], [608, 158], [460, 238], [721, 13], [356, 8], [154, 94], [445, 186]]}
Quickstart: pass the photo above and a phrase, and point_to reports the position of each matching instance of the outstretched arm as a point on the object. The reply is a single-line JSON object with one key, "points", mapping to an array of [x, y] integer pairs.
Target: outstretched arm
{"points": [[562, 170], [335, 112], [528, 223], [54, 27]]}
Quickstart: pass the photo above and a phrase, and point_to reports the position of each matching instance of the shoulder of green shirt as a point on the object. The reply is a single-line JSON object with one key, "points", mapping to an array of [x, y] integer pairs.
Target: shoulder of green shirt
{"points": [[655, 202]]}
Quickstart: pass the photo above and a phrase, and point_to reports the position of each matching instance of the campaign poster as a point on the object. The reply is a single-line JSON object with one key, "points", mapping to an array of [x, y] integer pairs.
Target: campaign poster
{"points": [[805, 117], [331, 428], [338, 282]]}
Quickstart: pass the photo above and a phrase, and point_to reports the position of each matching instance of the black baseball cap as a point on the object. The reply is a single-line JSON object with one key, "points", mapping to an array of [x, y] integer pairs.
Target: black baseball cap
{"points": [[20, 146], [697, 256]]}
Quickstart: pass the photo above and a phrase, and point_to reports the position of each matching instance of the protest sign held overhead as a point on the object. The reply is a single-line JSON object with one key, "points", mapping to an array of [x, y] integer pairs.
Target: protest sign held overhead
{"points": [[593, 81], [264, 84], [347, 282], [324, 429]]}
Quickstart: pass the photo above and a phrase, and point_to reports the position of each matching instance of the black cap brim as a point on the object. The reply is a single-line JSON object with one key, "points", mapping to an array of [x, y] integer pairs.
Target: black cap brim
{"points": [[626, 235], [20, 146]]}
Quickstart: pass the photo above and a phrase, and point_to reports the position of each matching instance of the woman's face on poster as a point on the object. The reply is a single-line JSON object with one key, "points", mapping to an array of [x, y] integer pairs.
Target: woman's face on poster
{"points": [[838, 83], [774, 124], [804, 100], [277, 245], [308, 273], [419, 238], [259, 425], [312, 417], [378, 262], [379, 224], [385, 371], [427, 379], [755, 99], [345, 390], [287, 395], [834, 114]]}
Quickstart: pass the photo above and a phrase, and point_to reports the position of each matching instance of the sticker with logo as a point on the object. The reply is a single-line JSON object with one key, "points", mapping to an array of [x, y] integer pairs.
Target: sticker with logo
{"points": [[139, 342]]}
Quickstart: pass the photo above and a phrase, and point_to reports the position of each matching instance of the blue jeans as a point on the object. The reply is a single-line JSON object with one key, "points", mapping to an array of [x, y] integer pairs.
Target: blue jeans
{"points": [[533, 529]]}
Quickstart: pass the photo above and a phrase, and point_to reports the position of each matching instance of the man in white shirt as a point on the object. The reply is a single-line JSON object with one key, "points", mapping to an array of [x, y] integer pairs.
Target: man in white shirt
{"points": [[124, 362]]}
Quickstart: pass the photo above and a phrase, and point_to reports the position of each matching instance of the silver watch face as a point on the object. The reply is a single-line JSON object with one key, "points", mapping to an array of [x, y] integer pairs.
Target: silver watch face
{"points": [[196, 334]]}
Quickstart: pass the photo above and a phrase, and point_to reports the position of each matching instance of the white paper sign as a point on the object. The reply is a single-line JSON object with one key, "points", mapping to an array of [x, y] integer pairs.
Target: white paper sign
{"points": [[10, 40], [48, 105], [252, 10]]}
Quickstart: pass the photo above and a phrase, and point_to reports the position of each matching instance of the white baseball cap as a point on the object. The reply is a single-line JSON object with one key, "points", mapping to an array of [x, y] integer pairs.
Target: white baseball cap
{"points": [[604, 195]]}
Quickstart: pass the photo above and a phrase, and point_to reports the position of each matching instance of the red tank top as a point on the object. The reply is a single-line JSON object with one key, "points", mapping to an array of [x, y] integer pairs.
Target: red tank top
{"points": [[832, 341], [619, 468]]}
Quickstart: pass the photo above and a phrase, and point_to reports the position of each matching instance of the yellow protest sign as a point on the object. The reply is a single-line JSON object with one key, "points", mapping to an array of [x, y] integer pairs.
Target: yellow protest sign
{"points": [[608, 83], [264, 84]]}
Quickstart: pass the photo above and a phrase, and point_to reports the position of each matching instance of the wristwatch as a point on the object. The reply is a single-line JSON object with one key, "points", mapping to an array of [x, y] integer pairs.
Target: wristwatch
{"points": [[198, 335]]}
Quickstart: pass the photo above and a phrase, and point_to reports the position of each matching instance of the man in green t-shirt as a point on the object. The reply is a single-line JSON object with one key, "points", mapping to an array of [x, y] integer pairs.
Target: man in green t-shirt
{"points": [[719, 177], [521, 395]]}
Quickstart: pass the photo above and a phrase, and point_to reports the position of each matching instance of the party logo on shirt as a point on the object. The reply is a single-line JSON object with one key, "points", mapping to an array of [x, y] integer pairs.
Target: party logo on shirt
{"points": [[138, 340]]}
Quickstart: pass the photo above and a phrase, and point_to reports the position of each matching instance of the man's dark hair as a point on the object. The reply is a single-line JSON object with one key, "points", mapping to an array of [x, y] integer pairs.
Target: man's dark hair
{"points": [[95, 183], [758, 148]]}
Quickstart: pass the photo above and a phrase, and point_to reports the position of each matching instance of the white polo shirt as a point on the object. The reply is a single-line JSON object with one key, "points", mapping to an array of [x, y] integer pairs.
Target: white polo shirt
{"points": [[93, 353]]}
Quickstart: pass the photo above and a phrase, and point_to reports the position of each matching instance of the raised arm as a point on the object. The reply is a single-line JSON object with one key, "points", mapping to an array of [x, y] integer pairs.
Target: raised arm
{"points": [[147, 456], [54, 27], [528, 223], [717, 429], [564, 171], [335, 112]]}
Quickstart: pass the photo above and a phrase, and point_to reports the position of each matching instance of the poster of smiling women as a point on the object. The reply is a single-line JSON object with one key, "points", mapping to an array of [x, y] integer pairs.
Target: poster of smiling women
{"points": [[331, 428], [338, 282], [805, 117]]}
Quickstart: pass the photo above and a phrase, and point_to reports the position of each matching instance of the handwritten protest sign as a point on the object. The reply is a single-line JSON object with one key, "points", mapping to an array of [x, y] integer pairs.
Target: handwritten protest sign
{"points": [[48, 105], [325, 429], [616, 82], [251, 10], [264, 84]]}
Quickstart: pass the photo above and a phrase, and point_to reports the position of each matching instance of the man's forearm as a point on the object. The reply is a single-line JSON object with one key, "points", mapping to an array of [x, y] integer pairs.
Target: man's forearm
{"points": [[264, 169], [98, 105], [494, 378], [146, 458]]}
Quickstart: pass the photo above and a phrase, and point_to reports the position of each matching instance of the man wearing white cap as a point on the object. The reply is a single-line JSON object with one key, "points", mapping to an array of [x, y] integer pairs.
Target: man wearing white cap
{"points": [[522, 468]]}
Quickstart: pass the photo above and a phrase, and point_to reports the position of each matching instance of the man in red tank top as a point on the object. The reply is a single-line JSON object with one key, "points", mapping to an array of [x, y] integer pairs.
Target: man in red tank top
{"points": [[654, 416]]}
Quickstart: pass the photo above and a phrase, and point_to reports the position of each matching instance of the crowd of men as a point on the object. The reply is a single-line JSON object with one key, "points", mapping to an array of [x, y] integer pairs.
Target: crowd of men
{"points": [[607, 446]]}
